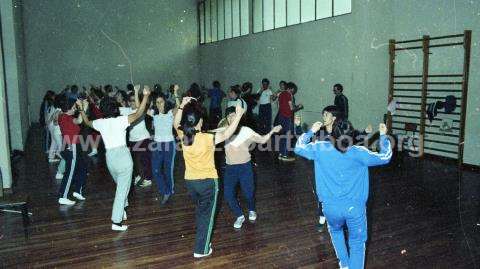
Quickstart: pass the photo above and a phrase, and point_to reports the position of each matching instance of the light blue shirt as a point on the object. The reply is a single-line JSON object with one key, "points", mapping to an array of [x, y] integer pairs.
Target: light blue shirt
{"points": [[163, 124]]}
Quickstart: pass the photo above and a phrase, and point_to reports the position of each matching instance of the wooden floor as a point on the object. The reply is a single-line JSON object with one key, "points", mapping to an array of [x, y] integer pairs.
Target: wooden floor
{"points": [[414, 221]]}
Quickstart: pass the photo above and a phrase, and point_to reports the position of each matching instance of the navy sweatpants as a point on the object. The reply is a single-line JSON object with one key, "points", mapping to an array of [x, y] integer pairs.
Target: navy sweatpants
{"points": [[235, 174], [75, 170], [204, 196], [265, 118]]}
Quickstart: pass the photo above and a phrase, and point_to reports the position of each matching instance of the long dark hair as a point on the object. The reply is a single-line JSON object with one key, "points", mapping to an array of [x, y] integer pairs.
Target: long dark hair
{"points": [[343, 135], [64, 103], [110, 107], [49, 97], [191, 116], [166, 107]]}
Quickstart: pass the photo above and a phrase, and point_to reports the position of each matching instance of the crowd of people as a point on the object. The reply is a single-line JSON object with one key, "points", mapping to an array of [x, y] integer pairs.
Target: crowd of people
{"points": [[141, 131]]}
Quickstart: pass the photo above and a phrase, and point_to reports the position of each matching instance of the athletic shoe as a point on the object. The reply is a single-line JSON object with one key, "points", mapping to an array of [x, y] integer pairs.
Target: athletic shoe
{"points": [[124, 215], [239, 222], [53, 160], [165, 199], [198, 255], [119, 227], [286, 158], [65, 201], [321, 224], [59, 176], [137, 179], [146, 183], [94, 152], [78, 196], [252, 216]]}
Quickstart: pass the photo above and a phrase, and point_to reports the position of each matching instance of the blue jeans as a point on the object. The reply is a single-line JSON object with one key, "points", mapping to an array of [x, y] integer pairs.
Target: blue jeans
{"points": [[243, 174], [163, 158], [286, 134], [265, 118], [353, 214]]}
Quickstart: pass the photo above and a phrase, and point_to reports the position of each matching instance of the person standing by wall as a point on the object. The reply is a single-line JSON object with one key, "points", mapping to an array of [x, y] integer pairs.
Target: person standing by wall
{"points": [[341, 101], [285, 114], [216, 96], [265, 107]]}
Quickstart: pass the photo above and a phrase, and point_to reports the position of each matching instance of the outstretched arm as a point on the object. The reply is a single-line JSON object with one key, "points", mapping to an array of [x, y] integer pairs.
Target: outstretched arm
{"points": [[263, 139], [371, 158], [304, 146]]}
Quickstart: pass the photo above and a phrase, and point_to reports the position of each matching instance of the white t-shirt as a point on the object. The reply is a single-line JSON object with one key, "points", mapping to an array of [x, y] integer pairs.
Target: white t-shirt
{"points": [[163, 124], [235, 102], [265, 96], [55, 128], [139, 131], [237, 150], [113, 131]]}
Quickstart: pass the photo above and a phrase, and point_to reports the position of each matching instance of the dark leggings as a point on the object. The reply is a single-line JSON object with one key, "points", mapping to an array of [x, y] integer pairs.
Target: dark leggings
{"points": [[141, 159]]}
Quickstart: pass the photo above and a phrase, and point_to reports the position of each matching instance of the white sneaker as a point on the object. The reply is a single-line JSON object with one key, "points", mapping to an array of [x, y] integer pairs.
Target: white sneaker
{"points": [[94, 152], [252, 216], [65, 201], [197, 255], [239, 222], [120, 228], [137, 179], [78, 196], [146, 183], [124, 215], [321, 220], [286, 158], [59, 176]]}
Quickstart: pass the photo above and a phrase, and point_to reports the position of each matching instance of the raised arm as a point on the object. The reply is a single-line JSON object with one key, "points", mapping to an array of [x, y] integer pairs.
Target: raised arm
{"points": [[176, 88], [178, 116], [304, 146], [371, 158], [82, 107], [141, 109], [222, 136], [136, 90]]}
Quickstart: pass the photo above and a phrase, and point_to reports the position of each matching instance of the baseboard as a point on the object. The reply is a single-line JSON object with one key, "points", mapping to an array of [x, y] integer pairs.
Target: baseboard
{"points": [[453, 161]]}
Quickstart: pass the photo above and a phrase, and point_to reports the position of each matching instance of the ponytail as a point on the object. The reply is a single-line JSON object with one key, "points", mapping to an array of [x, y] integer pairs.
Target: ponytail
{"points": [[190, 119]]}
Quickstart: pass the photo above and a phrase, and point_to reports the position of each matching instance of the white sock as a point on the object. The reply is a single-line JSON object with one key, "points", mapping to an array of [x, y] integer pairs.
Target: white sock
{"points": [[321, 220]]}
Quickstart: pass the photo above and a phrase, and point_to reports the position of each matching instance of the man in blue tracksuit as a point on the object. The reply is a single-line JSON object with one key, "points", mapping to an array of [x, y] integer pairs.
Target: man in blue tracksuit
{"points": [[341, 177]]}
